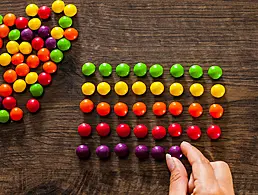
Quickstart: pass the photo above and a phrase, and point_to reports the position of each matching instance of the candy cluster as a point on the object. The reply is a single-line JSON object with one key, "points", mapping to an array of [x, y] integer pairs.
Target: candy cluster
{"points": [[30, 45]]}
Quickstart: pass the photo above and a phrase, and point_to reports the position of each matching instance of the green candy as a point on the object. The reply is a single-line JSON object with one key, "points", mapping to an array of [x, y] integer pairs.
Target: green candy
{"points": [[215, 72], [4, 116], [177, 70], [1, 19], [56, 55], [65, 22], [123, 70], [195, 71], [105, 69], [14, 35], [64, 44], [156, 70], [140, 69], [88, 69], [36, 90]]}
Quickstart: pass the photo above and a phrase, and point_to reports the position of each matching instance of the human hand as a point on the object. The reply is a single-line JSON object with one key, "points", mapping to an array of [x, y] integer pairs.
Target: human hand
{"points": [[207, 178]]}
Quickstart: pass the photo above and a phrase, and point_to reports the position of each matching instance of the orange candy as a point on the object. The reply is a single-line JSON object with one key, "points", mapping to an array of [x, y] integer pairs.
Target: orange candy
{"points": [[159, 108], [121, 109], [10, 76], [17, 59], [103, 109], [175, 108], [16, 114], [1, 43], [216, 111], [195, 110], [22, 69], [49, 67], [9, 19], [44, 54], [32, 61], [4, 31], [5, 90], [71, 34], [86, 106], [139, 108]]}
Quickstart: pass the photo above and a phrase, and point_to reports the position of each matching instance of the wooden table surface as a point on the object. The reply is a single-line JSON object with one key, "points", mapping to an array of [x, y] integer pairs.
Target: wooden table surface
{"points": [[37, 155]]}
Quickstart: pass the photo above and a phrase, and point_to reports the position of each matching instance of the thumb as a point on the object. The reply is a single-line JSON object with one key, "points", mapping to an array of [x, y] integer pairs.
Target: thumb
{"points": [[178, 178]]}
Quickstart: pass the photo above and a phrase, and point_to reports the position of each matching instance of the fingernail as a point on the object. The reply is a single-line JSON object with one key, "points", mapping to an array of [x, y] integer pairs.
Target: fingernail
{"points": [[170, 162], [184, 142]]}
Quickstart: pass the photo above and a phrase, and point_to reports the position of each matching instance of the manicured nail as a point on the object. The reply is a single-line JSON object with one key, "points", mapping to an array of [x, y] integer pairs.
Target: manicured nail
{"points": [[170, 162]]}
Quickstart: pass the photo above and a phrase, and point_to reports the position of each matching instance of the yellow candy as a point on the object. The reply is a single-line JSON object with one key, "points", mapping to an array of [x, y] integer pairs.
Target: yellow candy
{"points": [[58, 6], [31, 78], [70, 10], [218, 90], [121, 88], [25, 48], [139, 88], [57, 32], [5, 59], [12, 47], [196, 89], [176, 89], [19, 86], [157, 88], [88, 88], [103, 88], [31, 10], [34, 23]]}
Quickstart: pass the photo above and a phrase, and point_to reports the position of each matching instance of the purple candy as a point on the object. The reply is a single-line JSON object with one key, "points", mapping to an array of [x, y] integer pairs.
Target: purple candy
{"points": [[158, 153], [142, 151], [102, 151], [1, 99], [175, 151], [44, 32], [50, 43], [27, 34], [83, 151], [121, 150]]}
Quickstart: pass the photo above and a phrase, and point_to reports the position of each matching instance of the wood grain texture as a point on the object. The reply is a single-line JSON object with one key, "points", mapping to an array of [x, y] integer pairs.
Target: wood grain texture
{"points": [[37, 155]]}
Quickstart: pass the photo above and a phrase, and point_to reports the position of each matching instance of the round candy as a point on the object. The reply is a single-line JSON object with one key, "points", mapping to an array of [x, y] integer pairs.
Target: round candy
{"points": [[218, 90], [84, 130], [156, 70], [9, 102], [57, 32], [70, 10], [215, 72], [56, 55], [5, 59], [195, 71], [194, 132], [175, 130], [86, 106], [103, 88], [121, 88], [139, 108], [103, 151], [159, 108], [71, 34], [21, 22], [64, 44], [88, 69], [31, 10], [33, 105], [44, 32], [44, 79], [176, 89], [103, 129], [34, 23], [49, 67], [58, 6], [88, 88], [22, 69], [10, 76], [158, 153], [1, 19], [139, 88], [27, 34], [121, 150], [214, 132], [83, 151], [32, 61], [123, 70], [1, 43], [17, 59], [16, 114], [216, 111], [195, 110], [36, 90], [196, 89], [140, 69], [177, 70], [31, 78], [25, 48], [50, 43], [12, 47], [14, 35], [123, 130], [9, 19], [121, 109], [175, 151], [65, 22], [5, 90], [157, 88], [19, 86], [1, 99], [4, 30], [43, 54], [37, 43], [105, 69], [175, 108], [44, 12], [103, 109], [4, 116], [158, 132], [141, 151], [140, 131]]}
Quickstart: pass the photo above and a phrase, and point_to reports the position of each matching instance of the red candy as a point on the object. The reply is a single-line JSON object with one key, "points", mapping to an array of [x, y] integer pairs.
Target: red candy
{"points": [[121, 109], [44, 12], [175, 130], [123, 130], [16, 114], [159, 108], [195, 110], [159, 132], [103, 109], [21, 22], [1, 43], [9, 103], [86, 106], [214, 131], [32, 61], [5, 90], [103, 129], [44, 79], [44, 54], [33, 105], [84, 130], [194, 132], [140, 131], [37, 43]]}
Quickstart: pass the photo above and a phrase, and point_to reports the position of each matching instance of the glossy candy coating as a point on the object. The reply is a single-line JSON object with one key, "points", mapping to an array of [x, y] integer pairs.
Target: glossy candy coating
{"points": [[22, 69], [175, 151], [139, 88], [196, 89], [103, 109], [88, 69], [44, 12], [27, 34], [159, 108], [141, 152], [84, 130], [175, 108], [4, 31], [86, 106], [10, 76], [43, 54], [158, 132], [31, 78], [44, 32], [44, 79], [31, 10], [177, 70], [158, 153], [121, 88], [16, 114], [140, 131], [50, 43], [17, 59], [121, 150], [21, 22], [9, 102], [121, 109], [195, 110], [12, 47], [218, 90], [215, 72], [19, 86], [5, 90], [83, 151], [157, 88], [1, 43], [103, 88], [176, 89], [70, 10], [58, 6], [14, 35], [195, 71], [37, 43], [36, 90], [88, 88], [64, 44], [139, 108], [103, 152], [71, 34], [123, 70], [32, 61], [5, 59], [49, 67], [156, 70], [216, 111], [1, 19], [105, 69], [175, 130], [56, 55], [25, 48], [103, 129], [34, 23], [214, 132], [33, 105], [123, 130], [194, 132], [140, 69], [57, 32], [65, 22], [4, 116], [9, 19]]}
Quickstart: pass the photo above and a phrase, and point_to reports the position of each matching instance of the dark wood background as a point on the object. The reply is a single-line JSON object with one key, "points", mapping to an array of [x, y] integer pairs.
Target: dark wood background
{"points": [[37, 156]]}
